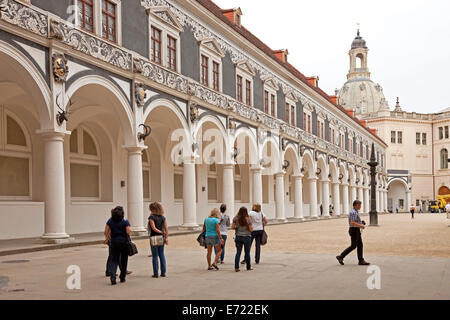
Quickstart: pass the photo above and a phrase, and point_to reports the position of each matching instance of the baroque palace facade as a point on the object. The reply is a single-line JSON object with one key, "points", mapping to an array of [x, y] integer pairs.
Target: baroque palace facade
{"points": [[109, 102], [418, 144]]}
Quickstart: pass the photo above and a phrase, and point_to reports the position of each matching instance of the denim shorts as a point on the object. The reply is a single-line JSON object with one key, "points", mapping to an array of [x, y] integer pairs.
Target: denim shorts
{"points": [[212, 241]]}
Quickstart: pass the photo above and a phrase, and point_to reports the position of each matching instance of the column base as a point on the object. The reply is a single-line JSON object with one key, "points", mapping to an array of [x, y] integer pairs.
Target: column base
{"points": [[55, 239], [189, 227], [314, 218], [326, 217], [283, 220], [139, 233], [296, 219]]}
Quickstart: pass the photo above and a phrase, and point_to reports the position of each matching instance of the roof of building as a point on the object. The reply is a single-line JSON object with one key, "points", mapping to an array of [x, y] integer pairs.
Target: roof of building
{"points": [[359, 42], [218, 12]]}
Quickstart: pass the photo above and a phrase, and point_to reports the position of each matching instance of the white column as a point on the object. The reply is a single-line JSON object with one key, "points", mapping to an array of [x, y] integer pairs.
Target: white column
{"points": [[408, 201], [313, 197], [279, 197], [352, 195], [345, 206], [377, 193], [228, 188], [326, 197], [189, 195], [257, 186], [385, 200], [298, 197], [55, 195], [336, 199], [367, 199], [360, 198], [135, 193]]}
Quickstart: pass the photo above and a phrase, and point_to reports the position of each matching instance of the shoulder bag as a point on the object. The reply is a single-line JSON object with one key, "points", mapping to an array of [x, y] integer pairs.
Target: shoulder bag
{"points": [[157, 241], [132, 249], [264, 236]]}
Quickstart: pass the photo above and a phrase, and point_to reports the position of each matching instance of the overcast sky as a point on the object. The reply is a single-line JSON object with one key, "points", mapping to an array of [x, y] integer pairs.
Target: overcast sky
{"points": [[408, 40]]}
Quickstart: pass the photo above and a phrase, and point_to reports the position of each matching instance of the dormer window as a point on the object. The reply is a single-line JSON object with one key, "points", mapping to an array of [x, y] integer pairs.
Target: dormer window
{"points": [[270, 94], [211, 64], [234, 15], [164, 38], [244, 83]]}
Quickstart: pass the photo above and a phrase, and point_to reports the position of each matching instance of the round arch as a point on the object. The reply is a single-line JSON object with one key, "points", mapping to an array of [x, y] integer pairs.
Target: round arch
{"points": [[291, 153]]}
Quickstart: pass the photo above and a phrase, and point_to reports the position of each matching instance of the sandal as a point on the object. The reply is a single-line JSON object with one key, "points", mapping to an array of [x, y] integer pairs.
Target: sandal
{"points": [[237, 270], [210, 268], [215, 266]]}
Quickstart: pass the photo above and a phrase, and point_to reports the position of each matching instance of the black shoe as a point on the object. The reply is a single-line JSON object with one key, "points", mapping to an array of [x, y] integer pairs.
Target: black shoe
{"points": [[363, 263], [129, 272], [122, 280], [243, 262], [341, 261], [163, 276], [154, 276], [257, 262], [107, 274], [249, 269], [113, 282], [215, 266]]}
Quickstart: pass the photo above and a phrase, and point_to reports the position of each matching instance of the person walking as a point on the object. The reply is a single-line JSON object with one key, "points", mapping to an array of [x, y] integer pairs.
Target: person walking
{"points": [[223, 227], [117, 233], [242, 223], [412, 209], [356, 225], [396, 209], [258, 223], [213, 238], [158, 227], [421, 208]]}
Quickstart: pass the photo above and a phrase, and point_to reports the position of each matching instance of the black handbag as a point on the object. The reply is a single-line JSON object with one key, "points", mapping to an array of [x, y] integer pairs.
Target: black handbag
{"points": [[201, 239], [132, 249], [264, 236]]}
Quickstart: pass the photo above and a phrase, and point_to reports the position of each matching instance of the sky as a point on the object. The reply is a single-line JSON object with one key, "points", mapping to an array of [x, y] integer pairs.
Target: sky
{"points": [[408, 41]]}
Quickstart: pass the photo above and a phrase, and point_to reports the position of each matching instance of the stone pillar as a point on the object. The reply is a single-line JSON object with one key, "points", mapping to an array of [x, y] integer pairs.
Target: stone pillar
{"points": [[386, 200], [345, 206], [408, 201], [336, 199], [352, 195], [367, 199], [189, 195], [135, 193], [361, 198], [313, 198], [55, 194], [228, 188], [257, 185], [326, 197], [279, 197], [298, 197], [378, 200]]}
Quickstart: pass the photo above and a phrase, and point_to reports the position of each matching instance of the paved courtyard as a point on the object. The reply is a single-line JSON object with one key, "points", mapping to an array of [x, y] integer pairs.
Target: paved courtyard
{"points": [[298, 263]]}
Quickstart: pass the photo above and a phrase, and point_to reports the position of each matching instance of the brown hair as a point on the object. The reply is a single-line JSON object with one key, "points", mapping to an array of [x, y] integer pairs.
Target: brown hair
{"points": [[156, 208], [242, 217], [256, 207]]}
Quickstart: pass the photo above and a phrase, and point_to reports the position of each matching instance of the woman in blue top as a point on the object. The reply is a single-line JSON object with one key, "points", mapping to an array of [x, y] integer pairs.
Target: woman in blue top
{"points": [[117, 232], [213, 238]]}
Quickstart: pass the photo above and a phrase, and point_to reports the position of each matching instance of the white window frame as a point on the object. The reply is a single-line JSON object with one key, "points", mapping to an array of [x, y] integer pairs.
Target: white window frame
{"points": [[292, 104], [13, 151], [97, 16], [213, 56], [167, 29], [307, 109], [321, 122], [84, 159], [271, 87], [245, 70]]}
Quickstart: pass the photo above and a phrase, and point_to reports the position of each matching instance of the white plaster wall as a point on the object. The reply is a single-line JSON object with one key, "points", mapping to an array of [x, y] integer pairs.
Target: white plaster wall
{"points": [[21, 220]]}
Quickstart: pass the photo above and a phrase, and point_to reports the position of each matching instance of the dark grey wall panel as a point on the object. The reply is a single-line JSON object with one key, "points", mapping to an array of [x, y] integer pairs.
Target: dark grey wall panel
{"points": [[314, 122], [135, 32], [229, 76], [346, 141], [354, 145], [281, 101], [327, 129], [190, 55], [258, 92], [58, 7], [299, 115]]}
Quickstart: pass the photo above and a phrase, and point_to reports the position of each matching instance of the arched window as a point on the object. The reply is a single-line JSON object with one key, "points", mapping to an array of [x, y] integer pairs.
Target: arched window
{"points": [[146, 175], [237, 183], [15, 158], [444, 159], [85, 165]]}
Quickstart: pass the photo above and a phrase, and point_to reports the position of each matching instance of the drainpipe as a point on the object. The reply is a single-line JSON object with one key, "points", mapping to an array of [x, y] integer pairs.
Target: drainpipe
{"points": [[432, 158]]}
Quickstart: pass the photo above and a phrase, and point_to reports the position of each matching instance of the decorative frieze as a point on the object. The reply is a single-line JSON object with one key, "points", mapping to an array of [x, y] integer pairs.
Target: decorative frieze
{"points": [[25, 17]]}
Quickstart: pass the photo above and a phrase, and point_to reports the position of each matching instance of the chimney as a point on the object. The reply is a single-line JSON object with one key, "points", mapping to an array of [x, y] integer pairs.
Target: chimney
{"points": [[363, 123], [282, 55], [334, 99], [374, 131], [234, 15], [314, 81], [351, 113]]}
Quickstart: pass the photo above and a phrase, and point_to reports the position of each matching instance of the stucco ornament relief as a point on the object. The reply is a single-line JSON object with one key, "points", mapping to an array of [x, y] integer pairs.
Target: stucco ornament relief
{"points": [[20, 15], [60, 67]]}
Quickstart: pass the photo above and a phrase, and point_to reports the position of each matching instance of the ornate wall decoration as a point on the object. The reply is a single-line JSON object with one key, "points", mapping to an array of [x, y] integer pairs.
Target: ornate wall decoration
{"points": [[193, 112], [60, 67], [140, 95], [22, 16]]}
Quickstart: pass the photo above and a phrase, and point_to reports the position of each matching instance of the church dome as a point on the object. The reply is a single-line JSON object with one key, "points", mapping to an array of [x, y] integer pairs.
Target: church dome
{"points": [[362, 96], [359, 42]]}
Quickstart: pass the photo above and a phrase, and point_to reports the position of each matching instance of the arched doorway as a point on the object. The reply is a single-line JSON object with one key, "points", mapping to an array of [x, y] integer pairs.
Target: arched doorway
{"points": [[397, 196]]}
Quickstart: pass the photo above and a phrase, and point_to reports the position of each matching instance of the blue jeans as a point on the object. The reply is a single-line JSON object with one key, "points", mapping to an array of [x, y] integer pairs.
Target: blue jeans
{"points": [[222, 255], [158, 252], [247, 243]]}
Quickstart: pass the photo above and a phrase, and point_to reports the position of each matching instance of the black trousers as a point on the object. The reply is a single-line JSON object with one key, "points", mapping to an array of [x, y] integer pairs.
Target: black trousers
{"points": [[256, 236], [119, 258], [355, 235]]}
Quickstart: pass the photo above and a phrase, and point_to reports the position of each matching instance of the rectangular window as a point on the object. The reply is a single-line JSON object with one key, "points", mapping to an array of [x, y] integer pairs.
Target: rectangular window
{"points": [[212, 189], [424, 139], [287, 113], [205, 70], [441, 133], [304, 121], [239, 88], [156, 45], [266, 102], [293, 119], [86, 14], [172, 53], [400, 137], [216, 76], [109, 20], [84, 181], [418, 138], [248, 92], [14, 177], [446, 132], [393, 137], [272, 105], [318, 128], [178, 186]]}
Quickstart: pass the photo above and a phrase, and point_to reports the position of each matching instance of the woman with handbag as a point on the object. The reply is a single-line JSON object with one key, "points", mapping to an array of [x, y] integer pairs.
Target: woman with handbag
{"points": [[242, 223], [117, 232], [159, 233], [213, 238], [259, 221]]}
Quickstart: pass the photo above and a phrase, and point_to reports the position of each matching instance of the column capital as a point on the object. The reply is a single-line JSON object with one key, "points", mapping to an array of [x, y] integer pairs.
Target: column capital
{"points": [[313, 178], [345, 184], [325, 180], [336, 182], [256, 169], [280, 174], [135, 149], [228, 165], [299, 176], [52, 135]]}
